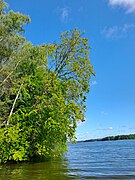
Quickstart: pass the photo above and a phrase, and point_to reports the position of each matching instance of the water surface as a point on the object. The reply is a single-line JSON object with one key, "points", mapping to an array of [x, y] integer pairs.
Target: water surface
{"points": [[89, 160]]}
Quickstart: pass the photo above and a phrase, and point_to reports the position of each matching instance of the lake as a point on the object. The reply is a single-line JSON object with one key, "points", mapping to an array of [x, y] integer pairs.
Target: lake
{"points": [[89, 160]]}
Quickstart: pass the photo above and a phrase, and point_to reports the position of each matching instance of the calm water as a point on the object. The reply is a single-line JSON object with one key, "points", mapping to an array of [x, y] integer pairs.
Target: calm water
{"points": [[93, 160]]}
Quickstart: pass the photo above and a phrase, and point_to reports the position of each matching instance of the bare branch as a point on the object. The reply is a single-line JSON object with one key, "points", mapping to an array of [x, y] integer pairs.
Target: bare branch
{"points": [[9, 74], [11, 112]]}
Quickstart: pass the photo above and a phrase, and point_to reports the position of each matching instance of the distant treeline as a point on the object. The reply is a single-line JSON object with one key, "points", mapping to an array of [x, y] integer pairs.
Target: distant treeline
{"points": [[110, 138]]}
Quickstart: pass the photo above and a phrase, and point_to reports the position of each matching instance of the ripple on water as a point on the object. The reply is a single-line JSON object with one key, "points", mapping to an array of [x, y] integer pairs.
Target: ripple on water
{"points": [[94, 160]]}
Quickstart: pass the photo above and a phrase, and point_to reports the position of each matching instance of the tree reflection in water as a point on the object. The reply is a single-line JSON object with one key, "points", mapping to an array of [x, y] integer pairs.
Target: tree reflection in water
{"points": [[50, 170]]}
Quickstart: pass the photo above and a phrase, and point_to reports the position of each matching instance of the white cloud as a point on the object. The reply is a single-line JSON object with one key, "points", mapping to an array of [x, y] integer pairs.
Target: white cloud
{"points": [[117, 31], [106, 129], [80, 123], [64, 13], [126, 27], [109, 128], [110, 31], [129, 5], [93, 83], [132, 128], [84, 136]]}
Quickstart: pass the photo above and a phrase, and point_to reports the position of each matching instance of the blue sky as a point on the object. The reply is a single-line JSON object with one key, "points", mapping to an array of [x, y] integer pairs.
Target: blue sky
{"points": [[110, 28]]}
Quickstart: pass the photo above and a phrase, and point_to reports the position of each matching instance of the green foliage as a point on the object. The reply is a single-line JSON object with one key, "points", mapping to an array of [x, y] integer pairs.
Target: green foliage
{"points": [[43, 90], [112, 138], [119, 137]]}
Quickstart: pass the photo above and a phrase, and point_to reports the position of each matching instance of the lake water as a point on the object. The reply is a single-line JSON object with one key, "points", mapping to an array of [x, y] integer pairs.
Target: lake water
{"points": [[89, 160]]}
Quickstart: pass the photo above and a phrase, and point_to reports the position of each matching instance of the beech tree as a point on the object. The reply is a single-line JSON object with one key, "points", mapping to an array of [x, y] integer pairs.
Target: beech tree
{"points": [[43, 90]]}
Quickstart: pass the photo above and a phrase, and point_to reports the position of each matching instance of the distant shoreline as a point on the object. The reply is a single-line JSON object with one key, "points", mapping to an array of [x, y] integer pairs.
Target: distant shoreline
{"points": [[112, 138]]}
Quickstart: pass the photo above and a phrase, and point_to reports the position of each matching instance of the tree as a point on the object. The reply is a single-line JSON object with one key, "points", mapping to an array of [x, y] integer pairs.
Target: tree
{"points": [[43, 91]]}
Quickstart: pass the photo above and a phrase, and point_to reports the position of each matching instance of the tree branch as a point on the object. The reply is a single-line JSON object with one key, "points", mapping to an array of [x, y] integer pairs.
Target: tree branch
{"points": [[9, 74], [11, 112]]}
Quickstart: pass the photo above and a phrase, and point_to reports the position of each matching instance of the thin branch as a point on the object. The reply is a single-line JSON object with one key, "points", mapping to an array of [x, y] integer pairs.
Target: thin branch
{"points": [[67, 73], [1, 69], [13, 106], [9, 74], [64, 57]]}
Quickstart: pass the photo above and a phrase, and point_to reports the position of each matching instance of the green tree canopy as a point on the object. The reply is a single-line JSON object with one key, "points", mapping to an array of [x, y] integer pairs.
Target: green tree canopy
{"points": [[42, 90]]}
